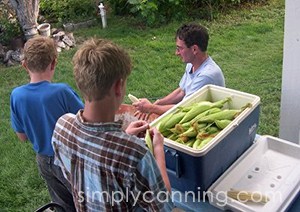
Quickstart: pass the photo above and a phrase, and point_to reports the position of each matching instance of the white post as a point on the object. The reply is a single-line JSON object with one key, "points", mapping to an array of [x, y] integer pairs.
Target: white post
{"points": [[290, 93], [103, 14]]}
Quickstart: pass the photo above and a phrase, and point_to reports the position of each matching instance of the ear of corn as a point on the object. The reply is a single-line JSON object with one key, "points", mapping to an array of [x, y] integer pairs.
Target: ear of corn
{"points": [[173, 137], [212, 130], [205, 113], [228, 114], [185, 126], [224, 114], [244, 196], [186, 108], [220, 103], [197, 143], [198, 127], [180, 128], [179, 140], [174, 119], [166, 133], [191, 132], [204, 106], [190, 142], [200, 122], [163, 121], [184, 139], [204, 142], [148, 141], [198, 108], [209, 131], [221, 124], [133, 98]]}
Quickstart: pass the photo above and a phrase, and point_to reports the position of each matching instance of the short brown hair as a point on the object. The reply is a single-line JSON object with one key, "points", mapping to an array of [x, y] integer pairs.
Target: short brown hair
{"points": [[193, 34], [39, 52], [97, 65]]}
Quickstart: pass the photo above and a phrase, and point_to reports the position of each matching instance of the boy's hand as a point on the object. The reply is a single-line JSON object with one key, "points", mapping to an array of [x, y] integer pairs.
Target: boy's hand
{"points": [[137, 128], [157, 141]]}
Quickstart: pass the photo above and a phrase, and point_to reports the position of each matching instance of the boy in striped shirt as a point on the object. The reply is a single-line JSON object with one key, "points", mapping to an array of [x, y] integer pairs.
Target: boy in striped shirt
{"points": [[109, 169]]}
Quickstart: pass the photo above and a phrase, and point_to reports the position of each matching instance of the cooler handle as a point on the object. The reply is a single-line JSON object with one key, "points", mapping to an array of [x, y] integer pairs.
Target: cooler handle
{"points": [[174, 154]]}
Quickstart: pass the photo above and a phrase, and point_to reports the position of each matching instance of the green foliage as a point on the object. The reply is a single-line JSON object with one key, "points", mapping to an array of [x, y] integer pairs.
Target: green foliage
{"points": [[155, 12], [68, 10], [9, 27], [150, 12], [8, 30]]}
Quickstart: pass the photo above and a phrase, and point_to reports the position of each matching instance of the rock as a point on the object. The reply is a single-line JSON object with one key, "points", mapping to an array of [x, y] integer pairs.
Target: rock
{"points": [[56, 39], [10, 63], [8, 56], [68, 27], [61, 44], [2, 51], [72, 38], [17, 56], [68, 41], [59, 34], [54, 31]]}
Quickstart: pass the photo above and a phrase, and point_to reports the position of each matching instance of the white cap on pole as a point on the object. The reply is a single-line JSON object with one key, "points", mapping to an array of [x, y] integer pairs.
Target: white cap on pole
{"points": [[103, 14]]}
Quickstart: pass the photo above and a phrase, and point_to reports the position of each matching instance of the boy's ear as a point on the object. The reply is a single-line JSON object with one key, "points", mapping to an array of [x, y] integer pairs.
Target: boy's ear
{"points": [[24, 65], [118, 87], [53, 64]]}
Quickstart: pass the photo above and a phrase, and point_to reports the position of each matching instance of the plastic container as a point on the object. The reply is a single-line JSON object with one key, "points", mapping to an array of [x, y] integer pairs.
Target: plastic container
{"points": [[192, 170], [270, 167], [30, 32], [44, 29]]}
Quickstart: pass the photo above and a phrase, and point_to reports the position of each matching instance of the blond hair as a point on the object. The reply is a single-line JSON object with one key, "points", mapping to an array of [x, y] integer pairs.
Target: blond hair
{"points": [[39, 52], [97, 65]]}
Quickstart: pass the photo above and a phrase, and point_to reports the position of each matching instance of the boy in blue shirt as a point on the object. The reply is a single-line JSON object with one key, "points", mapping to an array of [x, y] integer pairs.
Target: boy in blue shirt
{"points": [[35, 108]]}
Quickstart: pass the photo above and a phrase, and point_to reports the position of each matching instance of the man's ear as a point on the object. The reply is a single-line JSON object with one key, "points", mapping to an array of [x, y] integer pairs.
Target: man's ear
{"points": [[195, 49]]}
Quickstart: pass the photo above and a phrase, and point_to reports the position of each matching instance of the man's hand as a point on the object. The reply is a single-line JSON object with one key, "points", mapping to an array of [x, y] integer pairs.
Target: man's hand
{"points": [[143, 105], [137, 128], [142, 116]]}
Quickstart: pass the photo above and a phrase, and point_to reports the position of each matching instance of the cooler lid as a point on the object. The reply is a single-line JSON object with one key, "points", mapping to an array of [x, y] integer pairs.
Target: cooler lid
{"points": [[265, 178]]}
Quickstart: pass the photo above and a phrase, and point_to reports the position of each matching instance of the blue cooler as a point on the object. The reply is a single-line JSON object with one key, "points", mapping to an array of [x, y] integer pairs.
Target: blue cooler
{"points": [[192, 171]]}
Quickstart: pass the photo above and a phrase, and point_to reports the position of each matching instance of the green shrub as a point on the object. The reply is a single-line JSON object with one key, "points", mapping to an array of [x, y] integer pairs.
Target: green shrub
{"points": [[9, 27], [153, 12], [68, 10]]}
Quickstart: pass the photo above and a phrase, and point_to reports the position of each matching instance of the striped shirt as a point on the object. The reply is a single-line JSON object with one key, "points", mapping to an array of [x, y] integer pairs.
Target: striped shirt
{"points": [[108, 169]]}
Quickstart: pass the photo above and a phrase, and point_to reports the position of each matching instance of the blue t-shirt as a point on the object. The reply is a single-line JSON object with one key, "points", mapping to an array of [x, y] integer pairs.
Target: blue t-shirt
{"points": [[208, 73], [35, 108]]}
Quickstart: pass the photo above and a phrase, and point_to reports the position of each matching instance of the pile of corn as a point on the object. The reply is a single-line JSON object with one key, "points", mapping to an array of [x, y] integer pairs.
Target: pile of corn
{"points": [[197, 124]]}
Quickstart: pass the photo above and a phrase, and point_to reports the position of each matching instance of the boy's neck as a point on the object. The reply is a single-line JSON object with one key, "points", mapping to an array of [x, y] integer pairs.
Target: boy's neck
{"points": [[99, 111], [38, 77]]}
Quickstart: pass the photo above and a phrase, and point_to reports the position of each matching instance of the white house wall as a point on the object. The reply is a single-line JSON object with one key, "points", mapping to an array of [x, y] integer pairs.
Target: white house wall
{"points": [[290, 96]]}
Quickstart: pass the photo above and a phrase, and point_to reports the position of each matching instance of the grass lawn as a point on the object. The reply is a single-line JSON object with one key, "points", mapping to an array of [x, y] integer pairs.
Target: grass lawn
{"points": [[248, 46]]}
